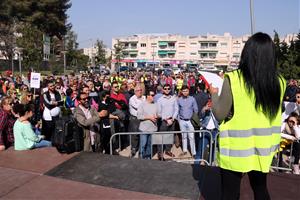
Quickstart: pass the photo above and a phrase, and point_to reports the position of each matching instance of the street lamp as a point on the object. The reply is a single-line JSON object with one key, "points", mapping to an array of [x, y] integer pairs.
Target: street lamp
{"points": [[252, 17], [19, 51], [65, 61]]}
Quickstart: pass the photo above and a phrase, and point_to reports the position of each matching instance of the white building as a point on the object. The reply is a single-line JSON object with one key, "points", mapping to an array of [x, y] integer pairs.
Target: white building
{"points": [[207, 51], [91, 52]]}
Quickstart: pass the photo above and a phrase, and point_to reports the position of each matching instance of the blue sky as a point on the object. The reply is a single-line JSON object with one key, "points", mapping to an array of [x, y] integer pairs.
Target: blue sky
{"points": [[105, 19]]}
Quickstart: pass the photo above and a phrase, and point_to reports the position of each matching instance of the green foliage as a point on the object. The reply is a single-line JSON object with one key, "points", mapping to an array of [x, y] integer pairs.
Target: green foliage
{"points": [[49, 16], [100, 58], [118, 52], [288, 57], [31, 44]]}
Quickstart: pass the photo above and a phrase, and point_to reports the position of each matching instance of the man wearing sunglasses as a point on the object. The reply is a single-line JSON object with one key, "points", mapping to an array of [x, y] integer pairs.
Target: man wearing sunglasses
{"points": [[88, 117], [167, 111]]}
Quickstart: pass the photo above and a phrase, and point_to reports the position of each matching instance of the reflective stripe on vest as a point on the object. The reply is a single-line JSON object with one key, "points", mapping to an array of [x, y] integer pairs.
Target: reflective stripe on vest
{"points": [[251, 132], [249, 140], [249, 152]]}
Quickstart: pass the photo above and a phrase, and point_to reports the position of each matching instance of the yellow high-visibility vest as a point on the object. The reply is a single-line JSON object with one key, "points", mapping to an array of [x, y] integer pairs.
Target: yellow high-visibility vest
{"points": [[179, 84], [249, 140]]}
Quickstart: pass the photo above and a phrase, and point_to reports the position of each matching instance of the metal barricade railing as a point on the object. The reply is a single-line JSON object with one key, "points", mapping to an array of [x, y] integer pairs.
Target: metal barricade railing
{"points": [[277, 167], [279, 157], [202, 133]]}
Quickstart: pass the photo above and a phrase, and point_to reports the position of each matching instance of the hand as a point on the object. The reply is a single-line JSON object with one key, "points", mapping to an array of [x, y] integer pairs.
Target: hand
{"points": [[169, 122], [42, 137], [213, 90], [102, 113], [153, 118], [37, 125]]}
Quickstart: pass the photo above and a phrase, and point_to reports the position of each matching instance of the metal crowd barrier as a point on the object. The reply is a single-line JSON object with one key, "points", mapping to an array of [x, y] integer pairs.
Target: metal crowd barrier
{"points": [[202, 133], [212, 141], [277, 167]]}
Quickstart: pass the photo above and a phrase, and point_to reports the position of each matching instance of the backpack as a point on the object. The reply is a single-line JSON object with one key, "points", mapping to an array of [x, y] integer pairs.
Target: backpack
{"points": [[68, 136]]}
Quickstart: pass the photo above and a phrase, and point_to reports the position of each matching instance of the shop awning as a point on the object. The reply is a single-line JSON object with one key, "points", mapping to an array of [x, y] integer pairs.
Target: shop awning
{"points": [[162, 43], [162, 52], [133, 52], [172, 52]]}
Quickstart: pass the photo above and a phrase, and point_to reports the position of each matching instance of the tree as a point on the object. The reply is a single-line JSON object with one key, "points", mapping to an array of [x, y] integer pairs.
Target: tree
{"points": [[287, 57], [71, 46], [100, 58], [46, 16], [31, 43], [49, 16], [118, 52], [7, 40]]}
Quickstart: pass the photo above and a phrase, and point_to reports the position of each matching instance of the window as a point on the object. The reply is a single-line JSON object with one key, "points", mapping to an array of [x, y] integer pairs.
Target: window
{"points": [[204, 45], [212, 55], [126, 45], [133, 45], [236, 45], [163, 55], [181, 44], [143, 53], [171, 45], [125, 53], [212, 44], [181, 53], [193, 53], [193, 44], [236, 55], [223, 44], [153, 45], [143, 44], [203, 55]]}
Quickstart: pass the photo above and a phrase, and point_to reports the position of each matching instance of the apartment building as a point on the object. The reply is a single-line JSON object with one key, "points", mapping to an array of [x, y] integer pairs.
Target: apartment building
{"points": [[167, 50], [91, 52]]}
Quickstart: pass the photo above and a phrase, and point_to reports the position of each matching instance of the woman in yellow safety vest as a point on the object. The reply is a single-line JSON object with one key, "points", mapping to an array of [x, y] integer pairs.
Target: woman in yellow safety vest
{"points": [[252, 96]]}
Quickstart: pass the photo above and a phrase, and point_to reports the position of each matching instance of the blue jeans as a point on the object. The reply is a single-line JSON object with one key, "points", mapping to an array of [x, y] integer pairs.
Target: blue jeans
{"points": [[42, 143], [203, 141], [145, 146], [187, 126]]}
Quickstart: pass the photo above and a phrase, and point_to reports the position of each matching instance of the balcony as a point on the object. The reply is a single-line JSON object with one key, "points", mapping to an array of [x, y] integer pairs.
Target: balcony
{"points": [[208, 45]]}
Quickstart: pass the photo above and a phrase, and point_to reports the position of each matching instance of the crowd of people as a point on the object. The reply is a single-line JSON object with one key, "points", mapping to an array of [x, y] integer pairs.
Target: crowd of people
{"points": [[121, 102]]}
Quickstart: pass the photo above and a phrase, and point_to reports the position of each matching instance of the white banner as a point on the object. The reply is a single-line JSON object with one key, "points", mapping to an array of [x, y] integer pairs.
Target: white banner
{"points": [[35, 80]]}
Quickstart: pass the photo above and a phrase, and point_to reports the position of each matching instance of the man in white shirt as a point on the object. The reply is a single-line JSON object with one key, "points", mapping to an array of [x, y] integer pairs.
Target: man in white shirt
{"points": [[134, 102]]}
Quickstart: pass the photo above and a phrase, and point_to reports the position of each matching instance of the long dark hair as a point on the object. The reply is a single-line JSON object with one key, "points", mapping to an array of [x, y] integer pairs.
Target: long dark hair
{"points": [[258, 68]]}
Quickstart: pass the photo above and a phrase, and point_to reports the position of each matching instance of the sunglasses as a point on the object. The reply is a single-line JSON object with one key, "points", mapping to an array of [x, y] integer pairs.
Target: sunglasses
{"points": [[116, 87], [29, 95], [152, 95], [167, 89], [84, 99]]}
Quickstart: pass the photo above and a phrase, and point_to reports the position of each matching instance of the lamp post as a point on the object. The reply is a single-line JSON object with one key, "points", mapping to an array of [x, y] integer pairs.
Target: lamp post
{"points": [[65, 61], [19, 51], [252, 17], [153, 54]]}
